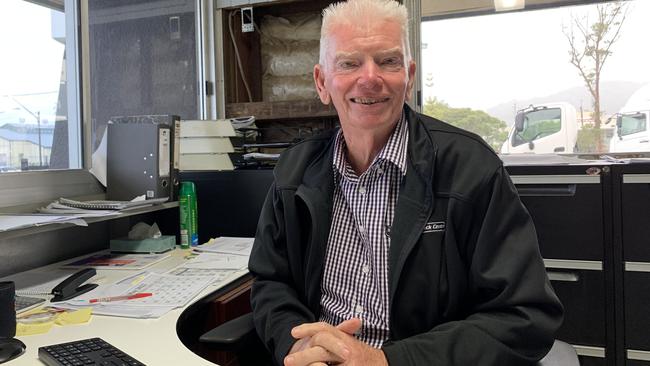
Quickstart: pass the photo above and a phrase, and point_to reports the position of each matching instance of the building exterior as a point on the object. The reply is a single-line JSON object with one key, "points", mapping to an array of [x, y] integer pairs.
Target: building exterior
{"points": [[19, 146]]}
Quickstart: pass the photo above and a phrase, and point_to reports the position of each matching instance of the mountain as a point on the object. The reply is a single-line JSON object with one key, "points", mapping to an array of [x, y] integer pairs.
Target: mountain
{"points": [[614, 94]]}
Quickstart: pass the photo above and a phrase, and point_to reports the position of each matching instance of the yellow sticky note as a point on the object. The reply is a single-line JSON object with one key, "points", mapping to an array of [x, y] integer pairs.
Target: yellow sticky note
{"points": [[74, 317], [41, 321], [34, 327]]}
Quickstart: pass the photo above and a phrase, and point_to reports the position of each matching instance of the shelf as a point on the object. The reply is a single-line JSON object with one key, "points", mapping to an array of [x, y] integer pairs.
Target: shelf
{"points": [[223, 4], [4, 235], [281, 110]]}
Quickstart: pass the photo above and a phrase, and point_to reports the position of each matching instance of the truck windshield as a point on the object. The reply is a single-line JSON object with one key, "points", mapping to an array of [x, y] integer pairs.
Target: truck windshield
{"points": [[537, 124], [632, 123]]}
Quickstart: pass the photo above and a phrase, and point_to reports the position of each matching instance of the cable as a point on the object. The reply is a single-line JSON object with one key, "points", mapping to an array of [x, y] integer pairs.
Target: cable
{"points": [[241, 68]]}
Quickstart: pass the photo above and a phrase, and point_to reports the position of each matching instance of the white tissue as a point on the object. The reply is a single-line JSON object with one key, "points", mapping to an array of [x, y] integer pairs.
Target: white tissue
{"points": [[141, 231]]}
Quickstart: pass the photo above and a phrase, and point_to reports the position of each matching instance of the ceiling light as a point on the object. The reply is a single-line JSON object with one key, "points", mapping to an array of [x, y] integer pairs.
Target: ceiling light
{"points": [[505, 5]]}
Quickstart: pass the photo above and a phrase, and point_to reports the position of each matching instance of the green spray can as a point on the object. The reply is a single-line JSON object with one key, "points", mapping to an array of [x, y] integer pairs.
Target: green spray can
{"points": [[188, 215]]}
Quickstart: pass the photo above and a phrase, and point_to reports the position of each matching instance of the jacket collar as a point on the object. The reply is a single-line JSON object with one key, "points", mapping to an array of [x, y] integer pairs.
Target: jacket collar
{"points": [[317, 191], [415, 201]]}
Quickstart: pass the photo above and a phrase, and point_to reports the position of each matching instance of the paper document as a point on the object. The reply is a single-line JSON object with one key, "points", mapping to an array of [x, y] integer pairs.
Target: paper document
{"points": [[13, 222], [167, 290], [217, 275], [108, 260], [98, 167], [228, 245], [123, 310], [217, 261]]}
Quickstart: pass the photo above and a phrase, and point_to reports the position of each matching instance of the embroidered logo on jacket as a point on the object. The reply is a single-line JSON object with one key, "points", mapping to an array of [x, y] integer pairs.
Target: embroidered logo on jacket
{"points": [[434, 227]]}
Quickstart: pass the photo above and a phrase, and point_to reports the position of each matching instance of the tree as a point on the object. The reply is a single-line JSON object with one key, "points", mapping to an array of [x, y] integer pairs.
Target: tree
{"points": [[493, 130], [592, 46]]}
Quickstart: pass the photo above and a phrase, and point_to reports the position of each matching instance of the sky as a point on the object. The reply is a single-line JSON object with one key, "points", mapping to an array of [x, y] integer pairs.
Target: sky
{"points": [[481, 61], [28, 45], [30, 69]]}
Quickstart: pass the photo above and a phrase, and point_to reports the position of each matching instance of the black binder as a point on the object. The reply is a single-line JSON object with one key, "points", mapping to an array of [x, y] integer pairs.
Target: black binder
{"points": [[142, 157]]}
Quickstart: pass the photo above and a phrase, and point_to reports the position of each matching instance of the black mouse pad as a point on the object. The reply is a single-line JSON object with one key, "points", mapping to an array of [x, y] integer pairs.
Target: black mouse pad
{"points": [[10, 348]]}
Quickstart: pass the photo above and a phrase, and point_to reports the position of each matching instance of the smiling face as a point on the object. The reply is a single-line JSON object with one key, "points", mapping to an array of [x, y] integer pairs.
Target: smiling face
{"points": [[366, 75]]}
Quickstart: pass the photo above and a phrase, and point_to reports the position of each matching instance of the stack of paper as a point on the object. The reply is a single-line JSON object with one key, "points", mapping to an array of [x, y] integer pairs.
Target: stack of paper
{"points": [[204, 145], [165, 292], [168, 292], [228, 245]]}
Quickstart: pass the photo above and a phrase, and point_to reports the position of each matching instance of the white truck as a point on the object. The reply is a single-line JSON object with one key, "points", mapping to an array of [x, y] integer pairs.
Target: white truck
{"points": [[549, 128], [632, 127]]}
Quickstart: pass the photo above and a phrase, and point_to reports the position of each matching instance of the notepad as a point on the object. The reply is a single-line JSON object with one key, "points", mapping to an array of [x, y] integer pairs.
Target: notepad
{"points": [[110, 205]]}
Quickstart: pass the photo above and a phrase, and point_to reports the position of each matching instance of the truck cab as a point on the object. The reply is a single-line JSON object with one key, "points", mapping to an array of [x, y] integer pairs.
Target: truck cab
{"points": [[543, 129], [632, 127]]}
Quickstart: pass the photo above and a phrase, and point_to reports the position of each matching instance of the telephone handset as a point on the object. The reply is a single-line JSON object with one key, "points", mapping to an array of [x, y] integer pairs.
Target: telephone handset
{"points": [[72, 286]]}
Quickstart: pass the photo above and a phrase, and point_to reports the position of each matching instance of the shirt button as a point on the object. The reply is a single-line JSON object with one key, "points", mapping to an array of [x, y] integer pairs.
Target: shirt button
{"points": [[359, 309], [361, 229], [362, 189], [380, 171], [365, 269]]}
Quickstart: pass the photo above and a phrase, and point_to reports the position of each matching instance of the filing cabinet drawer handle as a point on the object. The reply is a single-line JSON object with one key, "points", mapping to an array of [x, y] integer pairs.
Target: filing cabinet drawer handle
{"points": [[557, 190], [633, 354], [563, 276]]}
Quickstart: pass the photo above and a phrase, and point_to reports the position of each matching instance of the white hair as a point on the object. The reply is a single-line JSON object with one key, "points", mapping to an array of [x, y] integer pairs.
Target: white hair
{"points": [[363, 14]]}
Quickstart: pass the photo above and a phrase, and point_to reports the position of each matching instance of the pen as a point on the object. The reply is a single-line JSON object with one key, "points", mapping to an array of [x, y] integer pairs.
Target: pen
{"points": [[123, 297]]}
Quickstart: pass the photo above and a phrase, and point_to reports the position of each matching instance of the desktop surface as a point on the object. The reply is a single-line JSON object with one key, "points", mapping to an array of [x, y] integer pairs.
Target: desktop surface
{"points": [[150, 341]]}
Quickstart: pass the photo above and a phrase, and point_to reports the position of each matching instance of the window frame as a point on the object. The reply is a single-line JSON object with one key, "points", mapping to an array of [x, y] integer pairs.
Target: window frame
{"points": [[26, 189]]}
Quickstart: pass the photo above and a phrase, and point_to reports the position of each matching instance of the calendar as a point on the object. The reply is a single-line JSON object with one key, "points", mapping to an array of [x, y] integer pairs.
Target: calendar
{"points": [[169, 290], [217, 275]]}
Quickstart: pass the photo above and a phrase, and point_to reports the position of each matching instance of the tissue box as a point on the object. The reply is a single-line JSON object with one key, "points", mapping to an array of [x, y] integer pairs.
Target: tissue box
{"points": [[150, 245]]}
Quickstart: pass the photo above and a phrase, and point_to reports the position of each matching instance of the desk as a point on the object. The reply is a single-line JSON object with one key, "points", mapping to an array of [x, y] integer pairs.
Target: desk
{"points": [[150, 341]]}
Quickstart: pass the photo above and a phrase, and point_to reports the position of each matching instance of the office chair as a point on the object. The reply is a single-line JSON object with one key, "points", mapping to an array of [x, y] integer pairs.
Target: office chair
{"points": [[238, 335]]}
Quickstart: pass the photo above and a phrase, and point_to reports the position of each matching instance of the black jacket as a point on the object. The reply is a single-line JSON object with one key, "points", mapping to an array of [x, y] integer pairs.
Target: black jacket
{"points": [[467, 283]]}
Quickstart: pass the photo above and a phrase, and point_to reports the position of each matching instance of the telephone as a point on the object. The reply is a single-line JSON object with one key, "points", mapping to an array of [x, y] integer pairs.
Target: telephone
{"points": [[72, 286]]}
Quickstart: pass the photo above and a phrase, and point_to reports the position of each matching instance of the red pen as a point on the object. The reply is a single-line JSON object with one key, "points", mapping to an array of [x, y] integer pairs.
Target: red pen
{"points": [[139, 295]]}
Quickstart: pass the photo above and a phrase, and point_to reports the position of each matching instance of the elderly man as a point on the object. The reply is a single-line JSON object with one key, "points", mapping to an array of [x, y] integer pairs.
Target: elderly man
{"points": [[396, 239]]}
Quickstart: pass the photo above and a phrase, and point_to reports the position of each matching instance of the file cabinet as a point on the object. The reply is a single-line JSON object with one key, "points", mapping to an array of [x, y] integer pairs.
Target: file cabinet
{"points": [[635, 267], [571, 209]]}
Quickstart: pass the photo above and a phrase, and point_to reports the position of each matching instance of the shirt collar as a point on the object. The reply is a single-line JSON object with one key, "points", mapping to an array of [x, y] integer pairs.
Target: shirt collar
{"points": [[394, 151]]}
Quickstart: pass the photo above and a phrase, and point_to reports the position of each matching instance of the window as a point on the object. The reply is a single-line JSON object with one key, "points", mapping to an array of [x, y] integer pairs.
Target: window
{"points": [[39, 124], [142, 60], [538, 124], [479, 71], [139, 57], [632, 123]]}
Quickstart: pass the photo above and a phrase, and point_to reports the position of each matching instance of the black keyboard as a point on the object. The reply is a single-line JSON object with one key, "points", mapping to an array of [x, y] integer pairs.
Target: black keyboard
{"points": [[92, 351]]}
